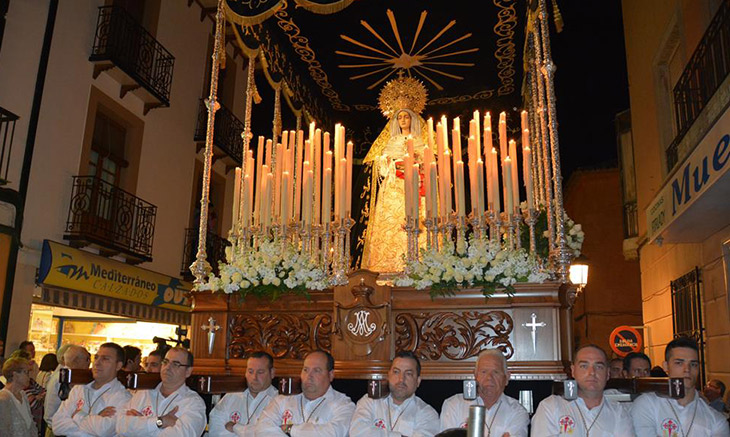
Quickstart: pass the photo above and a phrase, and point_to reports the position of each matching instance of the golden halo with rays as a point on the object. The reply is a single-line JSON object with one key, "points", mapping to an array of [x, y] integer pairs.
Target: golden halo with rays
{"points": [[402, 93], [422, 62]]}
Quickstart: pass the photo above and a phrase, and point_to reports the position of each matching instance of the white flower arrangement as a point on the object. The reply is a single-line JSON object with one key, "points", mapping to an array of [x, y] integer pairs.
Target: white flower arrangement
{"points": [[574, 236], [270, 269], [482, 264]]}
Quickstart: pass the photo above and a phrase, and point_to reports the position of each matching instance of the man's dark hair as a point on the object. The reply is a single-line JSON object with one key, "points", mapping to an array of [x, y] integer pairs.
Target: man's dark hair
{"points": [[156, 353], [330, 358], [635, 356], [262, 354], [121, 352], [48, 363], [657, 372], [182, 349], [25, 343], [687, 342], [130, 353], [412, 356], [594, 346]]}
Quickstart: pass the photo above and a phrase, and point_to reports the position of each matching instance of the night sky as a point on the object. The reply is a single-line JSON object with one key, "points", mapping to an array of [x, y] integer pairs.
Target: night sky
{"points": [[591, 82]]}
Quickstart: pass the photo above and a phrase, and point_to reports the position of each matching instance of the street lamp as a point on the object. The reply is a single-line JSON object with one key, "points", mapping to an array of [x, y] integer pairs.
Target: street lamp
{"points": [[579, 272]]}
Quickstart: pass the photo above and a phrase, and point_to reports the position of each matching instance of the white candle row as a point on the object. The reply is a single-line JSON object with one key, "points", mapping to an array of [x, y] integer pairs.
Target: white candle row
{"points": [[299, 189], [446, 169]]}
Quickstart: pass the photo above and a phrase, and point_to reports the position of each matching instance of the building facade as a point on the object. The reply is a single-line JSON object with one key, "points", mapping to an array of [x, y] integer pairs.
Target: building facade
{"points": [[677, 56], [109, 103]]}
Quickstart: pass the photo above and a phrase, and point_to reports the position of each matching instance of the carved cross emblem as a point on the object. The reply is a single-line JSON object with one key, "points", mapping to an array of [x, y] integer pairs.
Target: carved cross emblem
{"points": [[534, 325], [677, 384], [569, 388], [211, 327], [470, 390], [361, 327], [373, 386]]}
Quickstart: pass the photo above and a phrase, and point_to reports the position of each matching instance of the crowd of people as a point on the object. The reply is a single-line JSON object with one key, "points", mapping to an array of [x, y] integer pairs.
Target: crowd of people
{"points": [[29, 399], [104, 407]]}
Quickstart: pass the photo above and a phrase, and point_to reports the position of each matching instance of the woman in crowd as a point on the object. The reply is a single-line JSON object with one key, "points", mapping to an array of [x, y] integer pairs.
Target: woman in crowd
{"points": [[15, 415], [48, 365], [35, 392]]}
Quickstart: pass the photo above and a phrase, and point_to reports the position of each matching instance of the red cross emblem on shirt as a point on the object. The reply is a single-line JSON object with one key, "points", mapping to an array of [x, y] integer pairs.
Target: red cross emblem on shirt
{"points": [[147, 411], [235, 417], [380, 423], [669, 427], [286, 417], [567, 424], [79, 405]]}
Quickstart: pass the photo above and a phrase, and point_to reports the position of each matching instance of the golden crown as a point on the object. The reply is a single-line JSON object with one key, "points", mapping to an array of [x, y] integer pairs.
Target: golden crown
{"points": [[402, 93]]}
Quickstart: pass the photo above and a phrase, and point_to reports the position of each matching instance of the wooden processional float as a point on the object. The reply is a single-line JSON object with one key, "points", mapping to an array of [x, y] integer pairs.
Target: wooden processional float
{"points": [[293, 201]]}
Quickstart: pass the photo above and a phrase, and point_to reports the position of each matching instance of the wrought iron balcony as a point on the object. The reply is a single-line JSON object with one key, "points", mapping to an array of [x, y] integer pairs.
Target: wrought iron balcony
{"points": [[122, 42], [215, 248], [227, 133], [706, 70], [7, 132], [111, 219]]}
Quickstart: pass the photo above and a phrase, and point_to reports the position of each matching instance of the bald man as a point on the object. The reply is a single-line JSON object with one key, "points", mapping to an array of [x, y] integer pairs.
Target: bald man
{"points": [[69, 356]]}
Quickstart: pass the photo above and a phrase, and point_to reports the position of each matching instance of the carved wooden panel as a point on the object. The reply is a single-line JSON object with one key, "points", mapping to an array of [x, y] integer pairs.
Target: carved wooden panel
{"points": [[283, 335], [453, 335]]}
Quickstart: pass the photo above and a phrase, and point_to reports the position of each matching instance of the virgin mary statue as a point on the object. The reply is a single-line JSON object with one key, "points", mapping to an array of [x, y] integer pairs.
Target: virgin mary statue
{"points": [[385, 241]]}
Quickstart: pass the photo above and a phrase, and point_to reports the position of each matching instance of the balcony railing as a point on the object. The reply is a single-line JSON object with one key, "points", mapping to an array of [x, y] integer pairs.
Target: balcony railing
{"points": [[215, 247], [227, 133], [7, 132], [706, 70], [121, 40], [115, 221]]}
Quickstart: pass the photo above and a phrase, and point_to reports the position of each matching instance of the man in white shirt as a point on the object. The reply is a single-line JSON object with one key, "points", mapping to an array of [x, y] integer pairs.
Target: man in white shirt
{"points": [[401, 413], [92, 409], [590, 413], [689, 416], [171, 409], [319, 411], [237, 413], [504, 415], [74, 357]]}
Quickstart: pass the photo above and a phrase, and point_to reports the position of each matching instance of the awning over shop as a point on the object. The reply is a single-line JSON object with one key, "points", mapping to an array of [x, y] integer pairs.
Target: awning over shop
{"points": [[77, 279]]}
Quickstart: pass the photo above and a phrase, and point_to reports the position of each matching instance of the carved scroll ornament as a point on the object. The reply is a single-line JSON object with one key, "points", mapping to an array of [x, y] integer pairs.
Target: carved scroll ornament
{"points": [[283, 335], [455, 336]]}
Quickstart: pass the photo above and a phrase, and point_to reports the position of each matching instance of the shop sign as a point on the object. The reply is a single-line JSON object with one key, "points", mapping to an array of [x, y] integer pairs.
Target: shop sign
{"points": [[704, 166], [66, 267], [624, 340]]}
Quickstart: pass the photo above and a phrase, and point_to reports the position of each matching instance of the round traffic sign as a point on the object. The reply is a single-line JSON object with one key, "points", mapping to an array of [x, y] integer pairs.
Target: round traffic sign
{"points": [[624, 340]]}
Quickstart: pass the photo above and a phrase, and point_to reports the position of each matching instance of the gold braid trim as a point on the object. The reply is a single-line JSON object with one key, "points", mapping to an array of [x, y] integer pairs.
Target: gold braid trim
{"points": [[557, 17], [250, 21], [319, 8]]}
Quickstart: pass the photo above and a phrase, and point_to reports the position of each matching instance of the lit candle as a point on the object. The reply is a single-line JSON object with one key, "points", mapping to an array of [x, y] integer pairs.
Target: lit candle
{"points": [[433, 176], [508, 186], [285, 214], [326, 141], [407, 176], [259, 193], [269, 146], [342, 182], [459, 176], [527, 156], [235, 211], [312, 132], [494, 183], [327, 195], [415, 191], [348, 189], [478, 143], [269, 182], [306, 189], [298, 175], [480, 188], [427, 184], [515, 175], [277, 181], [429, 143], [441, 172], [473, 183], [447, 189], [317, 175], [245, 192]]}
